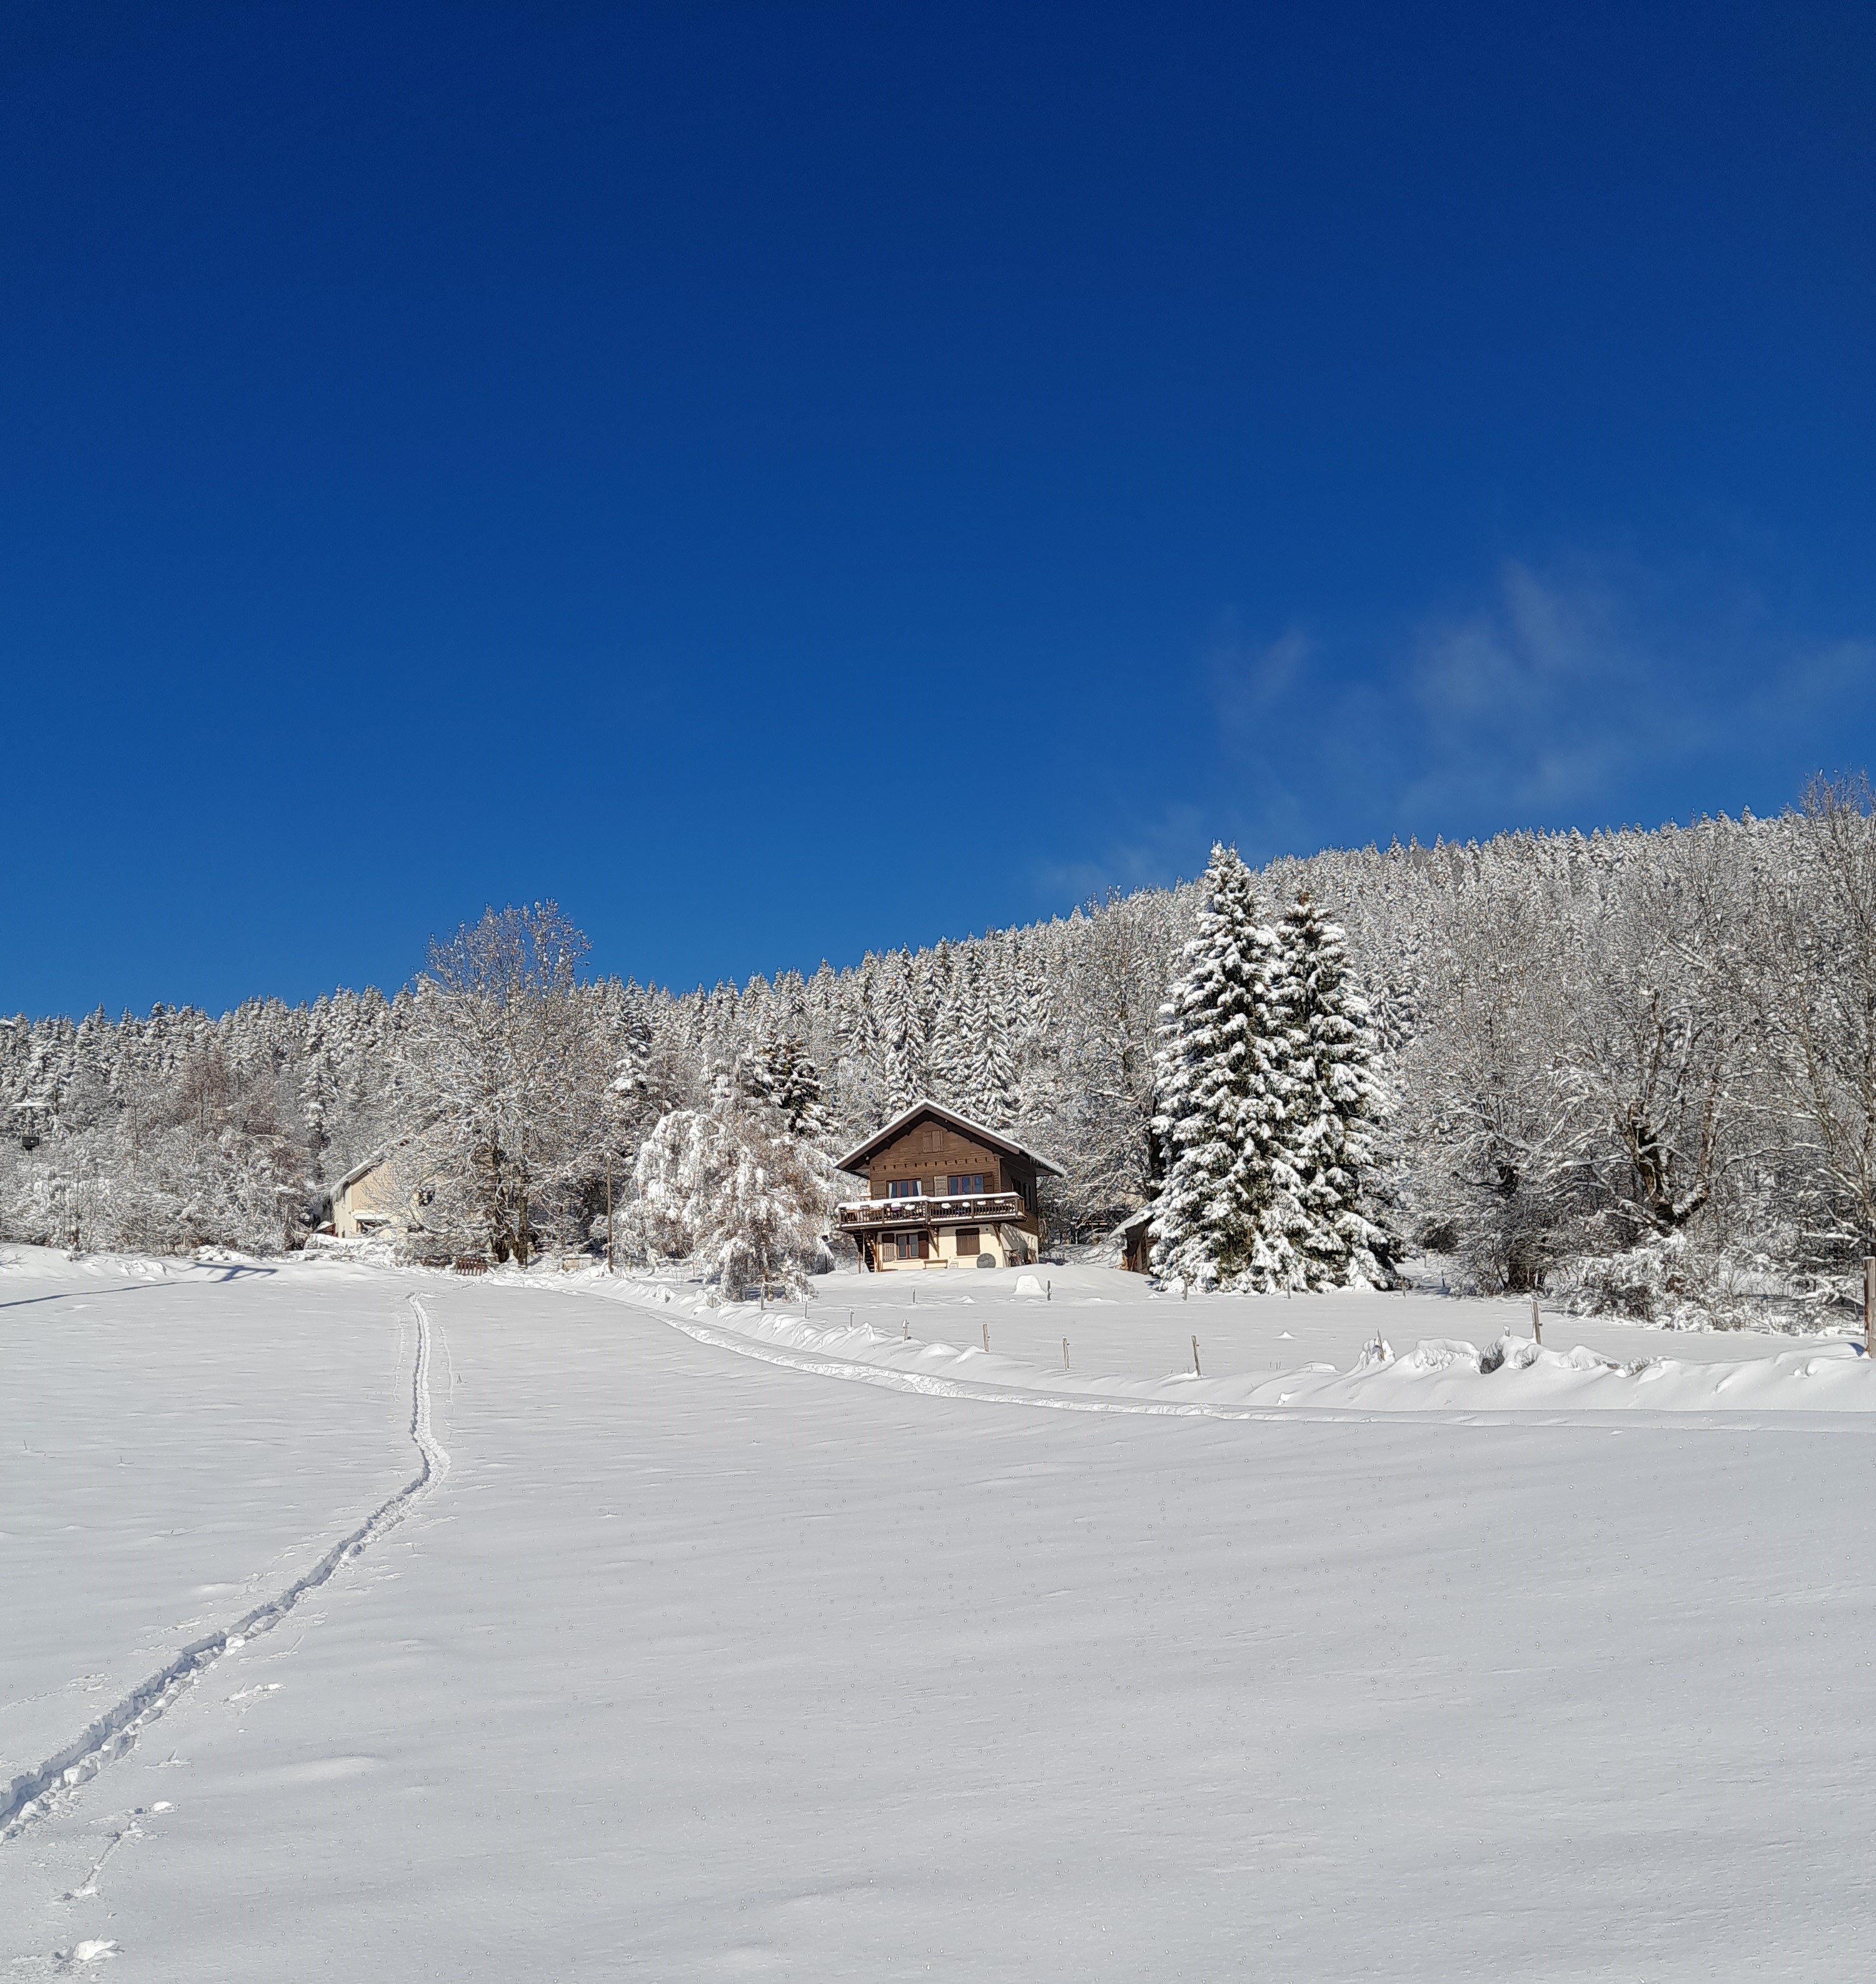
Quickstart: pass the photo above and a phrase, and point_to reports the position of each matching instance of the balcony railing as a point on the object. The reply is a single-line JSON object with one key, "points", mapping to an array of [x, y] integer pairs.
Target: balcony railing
{"points": [[982, 1208]]}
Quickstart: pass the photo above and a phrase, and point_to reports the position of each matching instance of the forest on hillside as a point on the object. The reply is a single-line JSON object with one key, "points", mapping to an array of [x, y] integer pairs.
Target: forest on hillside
{"points": [[1635, 1068]]}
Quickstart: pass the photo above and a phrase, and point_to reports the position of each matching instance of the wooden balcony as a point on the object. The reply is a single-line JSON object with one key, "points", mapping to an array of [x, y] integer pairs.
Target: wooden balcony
{"points": [[982, 1208]]}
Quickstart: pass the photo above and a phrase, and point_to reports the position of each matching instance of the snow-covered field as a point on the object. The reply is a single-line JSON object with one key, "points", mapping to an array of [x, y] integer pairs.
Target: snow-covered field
{"points": [[726, 1646]]}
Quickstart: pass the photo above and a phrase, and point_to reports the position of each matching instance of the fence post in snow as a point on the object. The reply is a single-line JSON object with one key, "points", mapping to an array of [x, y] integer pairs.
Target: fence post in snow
{"points": [[1537, 1322], [1064, 1353], [1869, 1306], [1196, 1371], [986, 1336]]}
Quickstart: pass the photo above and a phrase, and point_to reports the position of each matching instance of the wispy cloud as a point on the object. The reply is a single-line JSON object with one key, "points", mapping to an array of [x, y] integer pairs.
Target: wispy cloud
{"points": [[1575, 691], [1585, 690]]}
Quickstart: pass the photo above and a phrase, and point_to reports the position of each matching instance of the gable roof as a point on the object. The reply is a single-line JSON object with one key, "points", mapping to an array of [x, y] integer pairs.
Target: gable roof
{"points": [[356, 1172], [857, 1158]]}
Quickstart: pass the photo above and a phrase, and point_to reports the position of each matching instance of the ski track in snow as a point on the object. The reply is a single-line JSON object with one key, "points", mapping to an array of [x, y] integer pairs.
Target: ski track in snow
{"points": [[35, 1794]]}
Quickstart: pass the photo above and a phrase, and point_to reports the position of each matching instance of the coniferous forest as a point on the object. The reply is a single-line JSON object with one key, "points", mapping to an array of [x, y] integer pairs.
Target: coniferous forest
{"points": [[1635, 1069]]}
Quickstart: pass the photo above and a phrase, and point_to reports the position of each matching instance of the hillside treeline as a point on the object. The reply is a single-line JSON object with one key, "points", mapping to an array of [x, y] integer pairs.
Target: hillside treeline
{"points": [[1637, 1068]]}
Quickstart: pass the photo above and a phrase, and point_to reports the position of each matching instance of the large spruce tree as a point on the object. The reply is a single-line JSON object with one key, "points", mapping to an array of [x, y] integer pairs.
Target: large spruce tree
{"points": [[1219, 1088], [1331, 1097]]}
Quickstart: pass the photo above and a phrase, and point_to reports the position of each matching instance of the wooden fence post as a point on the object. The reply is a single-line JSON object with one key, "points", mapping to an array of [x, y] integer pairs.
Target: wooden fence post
{"points": [[1537, 1322], [1196, 1371], [1064, 1353], [986, 1336], [1869, 1306]]}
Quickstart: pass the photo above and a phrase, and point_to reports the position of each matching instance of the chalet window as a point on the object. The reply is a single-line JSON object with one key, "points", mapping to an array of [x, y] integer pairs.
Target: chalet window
{"points": [[967, 1243], [905, 1246], [902, 1188], [960, 1183]]}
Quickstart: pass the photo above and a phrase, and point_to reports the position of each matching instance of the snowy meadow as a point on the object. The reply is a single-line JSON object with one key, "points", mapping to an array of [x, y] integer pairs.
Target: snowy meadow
{"points": [[711, 1639]]}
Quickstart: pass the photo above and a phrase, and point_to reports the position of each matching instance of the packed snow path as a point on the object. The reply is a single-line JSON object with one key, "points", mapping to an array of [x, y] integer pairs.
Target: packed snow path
{"points": [[708, 1668], [34, 1794]]}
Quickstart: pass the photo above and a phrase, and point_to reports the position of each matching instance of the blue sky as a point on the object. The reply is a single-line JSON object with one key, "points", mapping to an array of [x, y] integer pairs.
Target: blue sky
{"points": [[788, 481]]}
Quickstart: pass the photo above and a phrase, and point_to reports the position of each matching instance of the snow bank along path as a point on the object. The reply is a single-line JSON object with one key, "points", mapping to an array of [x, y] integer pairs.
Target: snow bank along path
{"points": [[1514, 1374], [33, 1794]]}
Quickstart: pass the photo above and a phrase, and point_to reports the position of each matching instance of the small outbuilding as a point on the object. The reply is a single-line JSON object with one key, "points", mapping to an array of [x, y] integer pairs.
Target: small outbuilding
{"points": [[1133, 1236]]}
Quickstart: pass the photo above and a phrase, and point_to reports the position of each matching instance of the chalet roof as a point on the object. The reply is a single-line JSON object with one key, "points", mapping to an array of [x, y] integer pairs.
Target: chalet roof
{"points": [[1133, 1223], [358, 1171], [981, 1133]]}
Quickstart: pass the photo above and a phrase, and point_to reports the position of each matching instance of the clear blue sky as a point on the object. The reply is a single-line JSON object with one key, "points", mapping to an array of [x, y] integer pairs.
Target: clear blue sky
{"points": [[790, 481]]}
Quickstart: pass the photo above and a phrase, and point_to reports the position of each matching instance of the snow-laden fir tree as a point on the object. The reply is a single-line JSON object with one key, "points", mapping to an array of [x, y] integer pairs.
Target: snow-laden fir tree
{"points": [[904, 1042], [777, 1071], [972, 1061], [1330, 1100], [998, 1079], [1219, 1087]]}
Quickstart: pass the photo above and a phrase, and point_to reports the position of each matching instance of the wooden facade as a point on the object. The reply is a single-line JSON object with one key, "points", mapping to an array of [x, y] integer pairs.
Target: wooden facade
{"points": [[1134, 1237], [942, 1191]]}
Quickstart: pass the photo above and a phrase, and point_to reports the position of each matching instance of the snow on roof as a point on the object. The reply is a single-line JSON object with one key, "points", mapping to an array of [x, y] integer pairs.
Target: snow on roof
{"points": [[1133, 1222], [982, 1132], [356, 1172]]}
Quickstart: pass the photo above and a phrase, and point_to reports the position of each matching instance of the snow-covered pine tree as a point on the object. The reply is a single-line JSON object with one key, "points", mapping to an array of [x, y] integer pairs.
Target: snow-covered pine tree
{"points": [[995, 1084], [1331, 1098], [949, 1068], [1217, 1086], [904, 1042], [800, 1093], [777, 1071], [319, 1084]]}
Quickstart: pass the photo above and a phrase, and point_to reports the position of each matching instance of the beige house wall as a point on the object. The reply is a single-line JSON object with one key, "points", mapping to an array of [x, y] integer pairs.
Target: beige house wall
{"points": [[377, 1196], [944, 1254]]}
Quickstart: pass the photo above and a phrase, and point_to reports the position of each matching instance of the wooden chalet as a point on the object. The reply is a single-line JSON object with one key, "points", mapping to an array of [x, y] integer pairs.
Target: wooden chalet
{"points": [[942, 1191]]}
